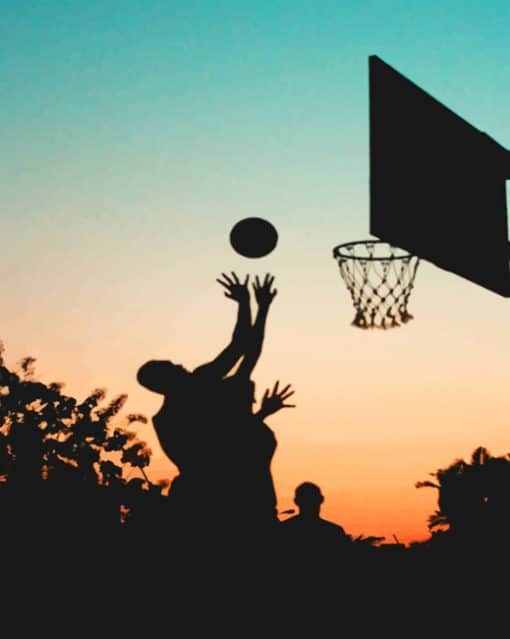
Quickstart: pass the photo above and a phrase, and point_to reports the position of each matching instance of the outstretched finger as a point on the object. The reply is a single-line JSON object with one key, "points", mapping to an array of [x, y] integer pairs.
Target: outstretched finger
{"points": [[275, 389], [224, 284], [288, 405], [245, 283], [286, 396], [285, 389], [227, 278], [256, 285], [236, 279]]}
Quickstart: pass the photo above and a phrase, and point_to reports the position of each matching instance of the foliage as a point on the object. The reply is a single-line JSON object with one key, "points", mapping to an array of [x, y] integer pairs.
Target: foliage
{"points": [[473, 497], [48, 436], [367, 541]]}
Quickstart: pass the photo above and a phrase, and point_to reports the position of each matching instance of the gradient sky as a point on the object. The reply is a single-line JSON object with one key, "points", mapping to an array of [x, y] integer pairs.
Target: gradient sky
{"points": [[135, 134]]}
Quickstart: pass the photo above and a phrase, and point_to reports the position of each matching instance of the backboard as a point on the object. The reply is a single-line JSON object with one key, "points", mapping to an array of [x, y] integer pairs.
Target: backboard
{"points": [[437, 184]]}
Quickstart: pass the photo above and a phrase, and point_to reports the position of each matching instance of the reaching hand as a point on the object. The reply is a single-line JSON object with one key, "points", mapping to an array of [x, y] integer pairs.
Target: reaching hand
{"points": [[275, 400], [235, 290], [263, 293]]}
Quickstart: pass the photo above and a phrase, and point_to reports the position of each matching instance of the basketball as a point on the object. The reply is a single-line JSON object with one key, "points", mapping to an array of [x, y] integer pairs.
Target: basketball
{"points": [[253, 237]]}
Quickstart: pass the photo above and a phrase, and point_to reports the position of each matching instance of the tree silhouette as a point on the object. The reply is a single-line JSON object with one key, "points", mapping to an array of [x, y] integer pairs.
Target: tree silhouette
{"points": [[67, 455], [473, 497]]}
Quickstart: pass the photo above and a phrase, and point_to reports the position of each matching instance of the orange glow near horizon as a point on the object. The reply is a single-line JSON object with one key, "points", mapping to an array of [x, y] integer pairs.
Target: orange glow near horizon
{"points": [[376, 411]]}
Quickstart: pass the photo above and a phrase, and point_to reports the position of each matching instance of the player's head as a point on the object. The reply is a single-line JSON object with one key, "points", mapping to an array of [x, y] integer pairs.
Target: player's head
{"points": [[308, 497], [160, 375]]}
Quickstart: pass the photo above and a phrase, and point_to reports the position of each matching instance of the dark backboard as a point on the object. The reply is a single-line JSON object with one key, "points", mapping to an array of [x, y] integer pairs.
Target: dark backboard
{"points": [[437, 184]]}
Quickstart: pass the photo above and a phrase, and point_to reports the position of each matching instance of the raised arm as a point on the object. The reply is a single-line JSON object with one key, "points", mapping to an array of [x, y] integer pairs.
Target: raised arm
{"points": [[227, 359], [264, 295]]}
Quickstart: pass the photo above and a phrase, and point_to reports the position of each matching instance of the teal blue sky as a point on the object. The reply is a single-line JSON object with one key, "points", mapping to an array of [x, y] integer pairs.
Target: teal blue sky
{"points": [[135, 134], [226, 102]]}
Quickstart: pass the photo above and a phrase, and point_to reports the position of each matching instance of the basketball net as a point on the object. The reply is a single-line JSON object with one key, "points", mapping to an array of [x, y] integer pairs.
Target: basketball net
{"points": [[380, 279]]}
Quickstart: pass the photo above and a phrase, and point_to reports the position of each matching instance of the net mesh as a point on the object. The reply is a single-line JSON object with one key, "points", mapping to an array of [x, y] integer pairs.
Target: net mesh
{"points": [[380, 278]]}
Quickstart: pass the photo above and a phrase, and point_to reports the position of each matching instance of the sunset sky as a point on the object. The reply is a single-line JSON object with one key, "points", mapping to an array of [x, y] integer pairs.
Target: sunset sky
{"points": [[136, 133]]}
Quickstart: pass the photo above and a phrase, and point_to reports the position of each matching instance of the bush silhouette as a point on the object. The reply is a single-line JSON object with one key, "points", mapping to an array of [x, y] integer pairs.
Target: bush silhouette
{"points": [[64, 463]]}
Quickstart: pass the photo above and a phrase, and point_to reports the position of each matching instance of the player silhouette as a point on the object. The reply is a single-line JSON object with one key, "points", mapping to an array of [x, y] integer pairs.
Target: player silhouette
{"points": [[207, 426]]}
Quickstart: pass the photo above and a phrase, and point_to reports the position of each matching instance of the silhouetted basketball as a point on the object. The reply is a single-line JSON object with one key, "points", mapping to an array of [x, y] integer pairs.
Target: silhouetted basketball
{"points": [[253, 237]]}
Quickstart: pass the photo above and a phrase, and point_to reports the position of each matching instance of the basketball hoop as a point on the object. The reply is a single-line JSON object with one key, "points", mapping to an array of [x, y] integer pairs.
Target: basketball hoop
{"points": [[380, 279]]}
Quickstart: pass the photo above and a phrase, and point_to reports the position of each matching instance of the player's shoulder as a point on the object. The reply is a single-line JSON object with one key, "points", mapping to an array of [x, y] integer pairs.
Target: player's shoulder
{"points": [[332, 527], [290, 522]]}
